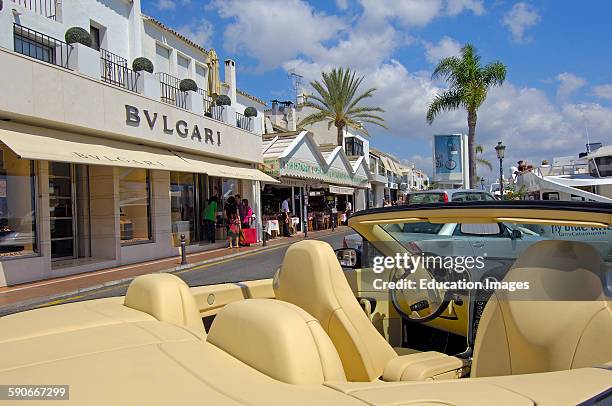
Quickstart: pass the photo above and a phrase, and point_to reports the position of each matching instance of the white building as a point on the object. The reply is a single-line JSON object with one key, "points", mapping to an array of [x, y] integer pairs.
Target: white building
{"points": [[102, 166], [337, 173]]}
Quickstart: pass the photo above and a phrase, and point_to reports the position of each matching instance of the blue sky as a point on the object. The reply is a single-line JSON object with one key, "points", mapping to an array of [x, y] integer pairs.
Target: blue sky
{"points": [[558, 55]]}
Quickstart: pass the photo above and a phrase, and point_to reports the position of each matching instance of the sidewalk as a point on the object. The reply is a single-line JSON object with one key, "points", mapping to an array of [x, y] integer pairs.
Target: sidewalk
{"points": [[50, 289]]}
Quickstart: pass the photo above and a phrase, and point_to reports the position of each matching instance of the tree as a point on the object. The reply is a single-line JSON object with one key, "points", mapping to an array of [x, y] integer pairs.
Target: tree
{"points": [[469, 83], [480, 160], [338, 103]]}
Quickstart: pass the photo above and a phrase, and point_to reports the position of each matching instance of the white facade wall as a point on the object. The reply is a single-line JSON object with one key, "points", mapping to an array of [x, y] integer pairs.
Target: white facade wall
{"points": [[114, 18], [154, 37]]}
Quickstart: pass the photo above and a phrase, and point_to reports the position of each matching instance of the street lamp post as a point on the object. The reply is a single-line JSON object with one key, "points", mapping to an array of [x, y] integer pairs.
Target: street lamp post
{"points": [[500, 149]]}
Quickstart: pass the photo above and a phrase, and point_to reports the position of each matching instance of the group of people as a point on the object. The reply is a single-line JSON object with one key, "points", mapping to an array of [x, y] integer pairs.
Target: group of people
{"points": [[389, 202], [239, 216]]}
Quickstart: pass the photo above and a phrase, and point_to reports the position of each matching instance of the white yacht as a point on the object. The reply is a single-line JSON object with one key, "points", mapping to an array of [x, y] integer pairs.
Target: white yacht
{"points": [[587, 178]]}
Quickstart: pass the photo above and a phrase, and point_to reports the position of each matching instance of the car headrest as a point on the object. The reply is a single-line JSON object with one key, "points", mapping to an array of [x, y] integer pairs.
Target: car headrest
{"points": [[311, 277], [167, 298], [278, 339], [558, 270]]}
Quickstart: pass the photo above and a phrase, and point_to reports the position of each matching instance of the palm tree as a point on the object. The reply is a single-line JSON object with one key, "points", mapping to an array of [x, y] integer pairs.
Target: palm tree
{"points": [[480, 160], [469, 83], [337, 102]]}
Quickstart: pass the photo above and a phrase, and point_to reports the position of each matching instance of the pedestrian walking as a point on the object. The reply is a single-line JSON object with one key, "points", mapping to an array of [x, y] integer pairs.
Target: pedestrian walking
{"points": [[233, 232], [286, 217], [246, 214], [210, 217]]}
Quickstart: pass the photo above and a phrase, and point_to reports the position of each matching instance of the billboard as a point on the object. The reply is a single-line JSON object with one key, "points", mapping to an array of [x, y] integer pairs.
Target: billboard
{"points": [[450, 163]]}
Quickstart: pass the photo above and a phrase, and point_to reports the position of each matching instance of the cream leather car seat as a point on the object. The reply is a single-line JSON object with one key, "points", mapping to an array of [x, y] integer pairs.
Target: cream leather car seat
{"points": [[563, 321], [311, 278]]}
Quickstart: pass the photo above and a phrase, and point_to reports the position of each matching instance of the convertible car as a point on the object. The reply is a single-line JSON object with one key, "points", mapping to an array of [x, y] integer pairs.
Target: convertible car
{"points": [[412, 328]]}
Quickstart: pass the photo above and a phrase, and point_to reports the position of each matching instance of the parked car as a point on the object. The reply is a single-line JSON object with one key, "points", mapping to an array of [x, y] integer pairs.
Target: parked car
{"points": [[448, 195], [492, 240]]}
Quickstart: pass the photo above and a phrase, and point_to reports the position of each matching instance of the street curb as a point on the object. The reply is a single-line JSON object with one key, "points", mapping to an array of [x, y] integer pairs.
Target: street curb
{"points": [[175, 269]]}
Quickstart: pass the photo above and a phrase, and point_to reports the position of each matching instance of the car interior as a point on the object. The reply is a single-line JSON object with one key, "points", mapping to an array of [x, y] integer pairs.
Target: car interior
{"points": [[318, 334]]}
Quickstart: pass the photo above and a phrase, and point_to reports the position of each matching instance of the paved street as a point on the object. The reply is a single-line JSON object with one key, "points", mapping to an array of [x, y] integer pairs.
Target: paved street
{"points": [[252, 265]]}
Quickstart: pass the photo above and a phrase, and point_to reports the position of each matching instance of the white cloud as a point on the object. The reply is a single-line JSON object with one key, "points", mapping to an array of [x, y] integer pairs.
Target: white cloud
{"points": [[408, 12], [295, 36], [455, 7], [417, 13], [342, 4], [199, 32], [521, 17], [603, 91], [444, 48], [283, 30], [568, 84], [170, 4]]}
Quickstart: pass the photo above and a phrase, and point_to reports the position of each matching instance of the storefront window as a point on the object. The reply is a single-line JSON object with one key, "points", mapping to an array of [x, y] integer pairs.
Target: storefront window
{"points": [[182, 206], [17, 206], [134, 205]]}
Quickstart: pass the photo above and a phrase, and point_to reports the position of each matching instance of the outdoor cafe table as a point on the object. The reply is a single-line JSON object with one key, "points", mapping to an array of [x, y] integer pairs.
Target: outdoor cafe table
{"points": [[272, 225]]}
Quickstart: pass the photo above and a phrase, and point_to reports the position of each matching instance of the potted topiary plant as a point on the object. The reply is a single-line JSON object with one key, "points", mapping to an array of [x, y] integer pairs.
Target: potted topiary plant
{"points": [[223, 100], [188, 85], [78, 35], [250, 112], [81, 57], [142, 64], [222, 109], [193, 101], [146, 82]]}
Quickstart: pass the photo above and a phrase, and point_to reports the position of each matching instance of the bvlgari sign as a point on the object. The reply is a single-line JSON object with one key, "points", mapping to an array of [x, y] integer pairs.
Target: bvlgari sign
{"points": [[153, 120]]}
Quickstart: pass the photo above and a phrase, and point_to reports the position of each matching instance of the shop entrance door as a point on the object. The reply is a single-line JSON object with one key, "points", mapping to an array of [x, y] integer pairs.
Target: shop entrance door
{"points": [[61, 210]]}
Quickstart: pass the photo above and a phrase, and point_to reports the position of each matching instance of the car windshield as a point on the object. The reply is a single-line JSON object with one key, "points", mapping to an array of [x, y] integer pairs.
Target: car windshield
{"points": [[471, 196], [424, 227], [421, 198]]}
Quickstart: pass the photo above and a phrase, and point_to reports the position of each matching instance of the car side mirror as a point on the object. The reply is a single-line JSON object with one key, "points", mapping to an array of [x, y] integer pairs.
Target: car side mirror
{"points": [[516, 234], [348, 257]]}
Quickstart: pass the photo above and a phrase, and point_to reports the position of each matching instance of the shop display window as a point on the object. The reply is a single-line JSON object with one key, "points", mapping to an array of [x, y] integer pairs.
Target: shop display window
{"points": [[17, 205], [134, 205], [182, 206]]}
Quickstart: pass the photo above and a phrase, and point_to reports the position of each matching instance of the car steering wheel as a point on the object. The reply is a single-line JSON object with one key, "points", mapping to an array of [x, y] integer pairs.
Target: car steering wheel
{"points": [[418, 305]]}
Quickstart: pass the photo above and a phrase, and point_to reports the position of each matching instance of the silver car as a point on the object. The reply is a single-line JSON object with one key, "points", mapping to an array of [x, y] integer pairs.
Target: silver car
{"points": [[448, 195]]}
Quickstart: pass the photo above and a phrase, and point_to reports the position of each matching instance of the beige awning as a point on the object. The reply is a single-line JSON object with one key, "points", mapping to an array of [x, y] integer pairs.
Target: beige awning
{"points": [[386, 163], [395, 166], [213, 167], [37, 143]]}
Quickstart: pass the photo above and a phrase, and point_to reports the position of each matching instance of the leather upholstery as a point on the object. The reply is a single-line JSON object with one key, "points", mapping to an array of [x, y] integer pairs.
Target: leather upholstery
{"points": [[311, 278], [278, 339], [422, 366], [564, 321], [167, 298]]}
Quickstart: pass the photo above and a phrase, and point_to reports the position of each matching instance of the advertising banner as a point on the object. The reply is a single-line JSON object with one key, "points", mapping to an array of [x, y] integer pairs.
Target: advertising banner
{"points": [[448, 158]]}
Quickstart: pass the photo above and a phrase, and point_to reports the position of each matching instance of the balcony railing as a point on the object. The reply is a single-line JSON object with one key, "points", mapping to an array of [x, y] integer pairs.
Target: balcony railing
{"points": [[170, 91], [47, 8], [40, 46], [243, 122], [207, 100], [115, 71]]}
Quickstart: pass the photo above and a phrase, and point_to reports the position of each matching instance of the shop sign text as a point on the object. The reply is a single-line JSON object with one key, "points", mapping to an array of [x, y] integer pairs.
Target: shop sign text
{"points": [[183, 129]]}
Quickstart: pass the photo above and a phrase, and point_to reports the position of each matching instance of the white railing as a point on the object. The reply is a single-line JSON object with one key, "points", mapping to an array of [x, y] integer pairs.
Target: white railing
{"points": [[47, 8]]}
